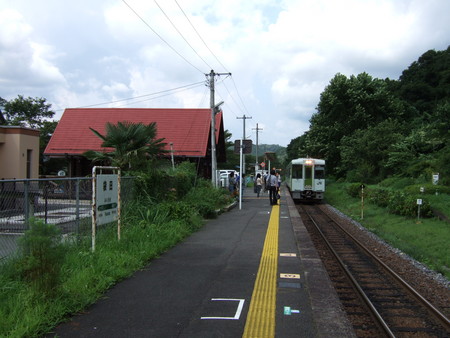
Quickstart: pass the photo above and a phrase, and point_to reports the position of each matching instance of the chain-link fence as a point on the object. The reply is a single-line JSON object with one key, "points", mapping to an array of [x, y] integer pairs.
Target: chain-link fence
{"points": [[64, 202]]}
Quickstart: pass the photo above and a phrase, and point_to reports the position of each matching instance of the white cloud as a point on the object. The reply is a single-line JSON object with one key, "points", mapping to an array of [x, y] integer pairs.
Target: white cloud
{"points": [[24, 63], [282, 53]]}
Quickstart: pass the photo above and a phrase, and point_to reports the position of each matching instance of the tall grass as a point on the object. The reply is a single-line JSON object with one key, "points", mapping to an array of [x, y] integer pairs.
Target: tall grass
{"points": [[149, 229], [426, 240]]}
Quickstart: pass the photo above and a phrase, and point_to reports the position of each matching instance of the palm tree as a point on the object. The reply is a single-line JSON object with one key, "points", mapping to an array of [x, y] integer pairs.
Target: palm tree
{"points": [[133, 144]]}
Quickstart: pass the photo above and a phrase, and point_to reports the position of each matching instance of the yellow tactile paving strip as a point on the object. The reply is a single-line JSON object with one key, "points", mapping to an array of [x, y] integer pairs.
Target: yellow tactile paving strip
{"points": [[261, 315]]}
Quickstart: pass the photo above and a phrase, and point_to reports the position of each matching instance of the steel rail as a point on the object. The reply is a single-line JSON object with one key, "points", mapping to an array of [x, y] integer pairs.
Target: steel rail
{"points": [[430, 307], [379, 320]]}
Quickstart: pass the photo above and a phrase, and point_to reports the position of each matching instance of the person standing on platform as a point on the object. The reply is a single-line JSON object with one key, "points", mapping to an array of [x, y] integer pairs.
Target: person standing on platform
{"points": [[272, 183], [232, 184], [258, 184], [265, 181]]}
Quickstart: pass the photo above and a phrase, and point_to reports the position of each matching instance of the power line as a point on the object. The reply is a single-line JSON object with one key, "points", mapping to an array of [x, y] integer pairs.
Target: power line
{"points": [[232, 97], [178, 89], [237, 91], [157, 97], [206, 45], [198, 34], [178, 31], [162, 39]]}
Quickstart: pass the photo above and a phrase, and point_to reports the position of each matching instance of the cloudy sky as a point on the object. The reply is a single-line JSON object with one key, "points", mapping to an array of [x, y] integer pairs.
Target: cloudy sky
{"points": [[281, 53]]}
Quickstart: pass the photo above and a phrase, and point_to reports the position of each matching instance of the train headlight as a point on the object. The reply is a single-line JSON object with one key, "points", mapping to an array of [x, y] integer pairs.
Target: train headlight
{"points": [[309, 162]]}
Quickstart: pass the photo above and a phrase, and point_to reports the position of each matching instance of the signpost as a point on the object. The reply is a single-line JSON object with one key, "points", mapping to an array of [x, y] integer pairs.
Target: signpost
{"points": [[362, 200], [419, 203], [105, 198]]}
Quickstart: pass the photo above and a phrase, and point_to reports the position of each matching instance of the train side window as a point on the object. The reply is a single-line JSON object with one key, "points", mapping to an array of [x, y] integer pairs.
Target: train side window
{"points": [[297, 171], [319, 172]]}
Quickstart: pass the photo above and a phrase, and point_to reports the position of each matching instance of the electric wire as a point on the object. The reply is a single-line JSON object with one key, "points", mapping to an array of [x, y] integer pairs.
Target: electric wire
{"points": [[206, 45], [178, 31], [162, 39], [232, 97], [222, 97], [176, 90], [158, 97], [198, 34], [237, 91], [187, 61]]}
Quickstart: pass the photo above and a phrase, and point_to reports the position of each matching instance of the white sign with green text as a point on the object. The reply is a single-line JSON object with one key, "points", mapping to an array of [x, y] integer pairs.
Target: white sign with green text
{"points": [[106, 198]]}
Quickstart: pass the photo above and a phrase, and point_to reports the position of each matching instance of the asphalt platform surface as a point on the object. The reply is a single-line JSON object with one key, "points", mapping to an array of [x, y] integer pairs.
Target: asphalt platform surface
{"points": [[203, 287]]}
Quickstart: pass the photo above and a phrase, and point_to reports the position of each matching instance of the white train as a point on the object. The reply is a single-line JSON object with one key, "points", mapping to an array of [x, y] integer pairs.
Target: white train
{"points": [[305, 178]]}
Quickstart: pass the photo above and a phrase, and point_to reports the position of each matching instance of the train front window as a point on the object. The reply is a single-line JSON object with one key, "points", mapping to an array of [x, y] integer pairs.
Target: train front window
{"points": [[319, 172], [297, 171], [308, 176]]}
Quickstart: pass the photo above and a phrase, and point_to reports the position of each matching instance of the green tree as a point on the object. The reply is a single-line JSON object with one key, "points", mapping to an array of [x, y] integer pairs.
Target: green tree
{"points": [[297, 148], [26, 112], [33, 113], [347, 105], [426, 82], [133, 144], [48, 165], [364, 152]]}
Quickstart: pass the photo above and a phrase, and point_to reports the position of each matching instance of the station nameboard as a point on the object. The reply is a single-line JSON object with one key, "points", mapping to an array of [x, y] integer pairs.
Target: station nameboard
{"points": [[106, 198]]}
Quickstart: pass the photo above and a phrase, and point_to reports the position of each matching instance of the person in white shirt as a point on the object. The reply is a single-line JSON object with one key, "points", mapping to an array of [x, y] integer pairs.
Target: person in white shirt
{"points": [[272, 183]]}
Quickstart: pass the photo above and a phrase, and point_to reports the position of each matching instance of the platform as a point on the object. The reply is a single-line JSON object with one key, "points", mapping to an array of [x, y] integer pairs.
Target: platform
{"points": [[252, 272]]}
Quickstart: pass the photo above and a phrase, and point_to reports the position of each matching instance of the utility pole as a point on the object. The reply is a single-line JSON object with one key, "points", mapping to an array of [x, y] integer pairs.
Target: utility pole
{"points": [[243, 138], [214, 110], [257, 129]]}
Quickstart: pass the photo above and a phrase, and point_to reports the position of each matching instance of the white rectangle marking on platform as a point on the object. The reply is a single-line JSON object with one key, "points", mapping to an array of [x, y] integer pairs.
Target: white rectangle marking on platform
{"points": [[288, 255], [238, 311], [290, 275]]}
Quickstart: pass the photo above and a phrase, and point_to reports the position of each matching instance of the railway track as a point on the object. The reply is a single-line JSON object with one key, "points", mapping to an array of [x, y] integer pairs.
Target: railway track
{"points": [[377, 300]]}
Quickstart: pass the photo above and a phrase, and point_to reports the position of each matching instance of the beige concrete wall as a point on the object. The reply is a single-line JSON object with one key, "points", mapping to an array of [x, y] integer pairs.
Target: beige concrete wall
{"points": [[17, 145]]}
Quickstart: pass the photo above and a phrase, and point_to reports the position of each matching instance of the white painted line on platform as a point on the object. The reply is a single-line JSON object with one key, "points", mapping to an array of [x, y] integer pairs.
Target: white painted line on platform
{"points": [[238, 311]]}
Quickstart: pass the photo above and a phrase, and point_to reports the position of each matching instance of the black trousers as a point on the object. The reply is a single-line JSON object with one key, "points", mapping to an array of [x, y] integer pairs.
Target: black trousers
{"points": [[273, 195]]}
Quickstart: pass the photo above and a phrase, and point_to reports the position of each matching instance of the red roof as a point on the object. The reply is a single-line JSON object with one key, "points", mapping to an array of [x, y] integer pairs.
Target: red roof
{"points": [[187, 129]]}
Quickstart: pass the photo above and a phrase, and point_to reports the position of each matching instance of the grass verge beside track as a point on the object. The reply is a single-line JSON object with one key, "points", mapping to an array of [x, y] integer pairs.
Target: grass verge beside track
{"points": [[425, 240]]}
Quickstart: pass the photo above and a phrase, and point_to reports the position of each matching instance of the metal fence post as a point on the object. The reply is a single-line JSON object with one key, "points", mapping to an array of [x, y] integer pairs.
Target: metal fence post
{"points": [[26, 202], [77, 206], [46, 189]]}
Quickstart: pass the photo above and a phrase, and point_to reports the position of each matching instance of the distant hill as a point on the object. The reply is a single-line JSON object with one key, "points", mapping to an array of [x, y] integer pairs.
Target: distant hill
{"points": [[274, 148]]}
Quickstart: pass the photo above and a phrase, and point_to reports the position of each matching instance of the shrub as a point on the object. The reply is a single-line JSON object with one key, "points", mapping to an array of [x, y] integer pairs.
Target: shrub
{"points": [[40, 256], [429, 189], [397, 182], [181, 211], [396, 202], [354, 189], [402, 203], [207, 199], [379, 196], [159, 185]]}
